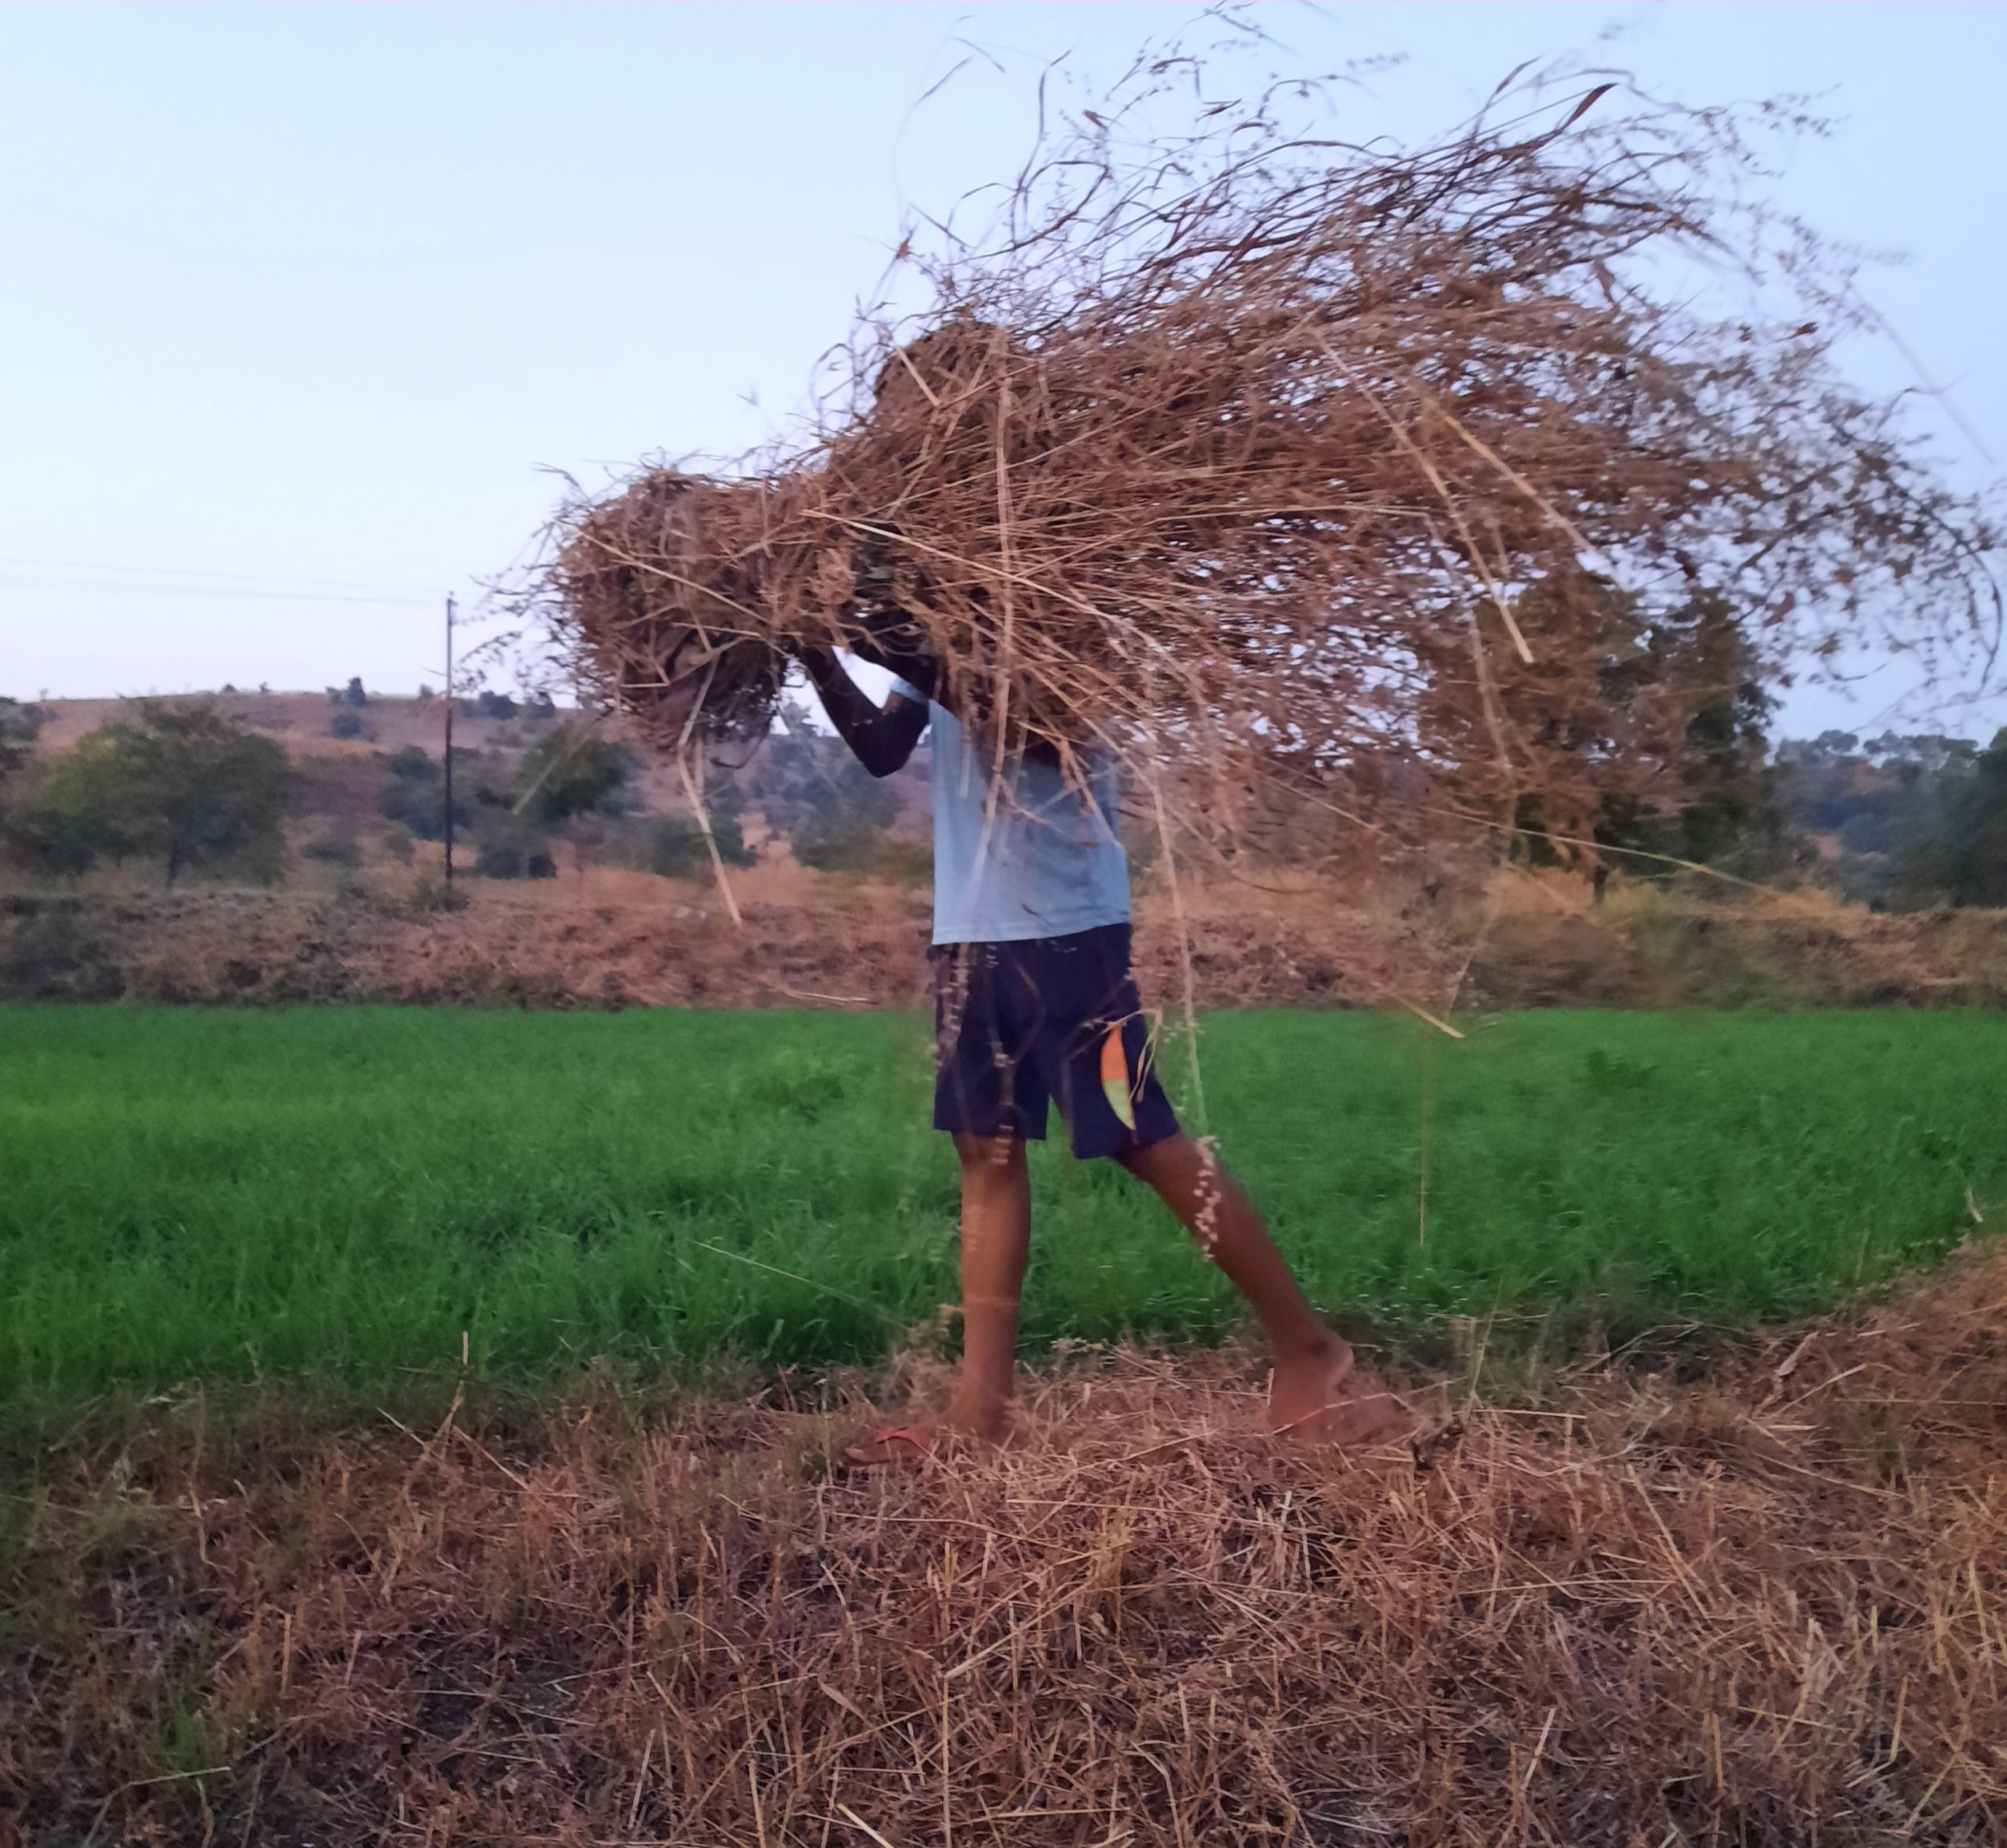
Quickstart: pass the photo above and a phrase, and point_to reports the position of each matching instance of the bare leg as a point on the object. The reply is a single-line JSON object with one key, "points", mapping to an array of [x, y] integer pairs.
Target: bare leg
{"points": [[1311, 1362], [996, 1230]]}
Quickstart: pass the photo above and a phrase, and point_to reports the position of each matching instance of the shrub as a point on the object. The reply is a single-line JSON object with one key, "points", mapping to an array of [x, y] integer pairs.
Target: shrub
{"points": [[336, 846], [487, 705], [833, 841], [510, 846], [430, 894], [56, 950], [415, 790], [672, 846], [502, 860], [904, 861], [675, 848], [505, 860], [727, 828]]}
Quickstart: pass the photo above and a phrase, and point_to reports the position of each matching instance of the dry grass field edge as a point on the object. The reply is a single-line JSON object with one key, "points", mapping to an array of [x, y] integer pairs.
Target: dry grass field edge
{"points": [[1526, 942], [1764, 1604]]}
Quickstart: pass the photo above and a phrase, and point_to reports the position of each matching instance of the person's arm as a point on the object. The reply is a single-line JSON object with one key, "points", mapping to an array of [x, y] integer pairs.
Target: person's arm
{"points": [[880, 737]]}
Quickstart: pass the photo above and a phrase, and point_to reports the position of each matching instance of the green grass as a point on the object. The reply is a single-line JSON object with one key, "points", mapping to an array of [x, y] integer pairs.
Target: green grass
{"points": [[338, 1194]]}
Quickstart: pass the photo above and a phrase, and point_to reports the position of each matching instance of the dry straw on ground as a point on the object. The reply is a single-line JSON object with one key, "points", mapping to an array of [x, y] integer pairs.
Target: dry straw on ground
{"points": [[1412, 477], [1544, 944], [1764, 1604]]}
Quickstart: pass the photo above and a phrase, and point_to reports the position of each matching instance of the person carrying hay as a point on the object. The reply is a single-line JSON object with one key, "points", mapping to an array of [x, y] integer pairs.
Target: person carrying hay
{"points": [[1036, 1005]]}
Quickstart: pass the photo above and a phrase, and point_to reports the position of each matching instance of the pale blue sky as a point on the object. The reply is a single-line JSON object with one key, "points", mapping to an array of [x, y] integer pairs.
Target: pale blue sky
{"points": [[299, 300]]}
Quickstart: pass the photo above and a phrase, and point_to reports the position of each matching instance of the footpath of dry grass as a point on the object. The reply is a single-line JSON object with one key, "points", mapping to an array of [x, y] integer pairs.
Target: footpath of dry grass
{"points": [[1765, 1604]]}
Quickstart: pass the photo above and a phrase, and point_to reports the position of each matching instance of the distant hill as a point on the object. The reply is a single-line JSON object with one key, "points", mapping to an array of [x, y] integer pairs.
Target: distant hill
{"points": [[301, 721], [340, 780]]}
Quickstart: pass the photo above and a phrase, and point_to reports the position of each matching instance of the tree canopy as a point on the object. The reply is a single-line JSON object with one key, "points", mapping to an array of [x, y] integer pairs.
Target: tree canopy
{"points": [[572, 773], [1959, 856], [174, 783]]}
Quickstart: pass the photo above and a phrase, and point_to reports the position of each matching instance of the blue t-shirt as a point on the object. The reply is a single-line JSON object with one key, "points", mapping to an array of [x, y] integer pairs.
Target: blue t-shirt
{"points": [[1052, 863]]}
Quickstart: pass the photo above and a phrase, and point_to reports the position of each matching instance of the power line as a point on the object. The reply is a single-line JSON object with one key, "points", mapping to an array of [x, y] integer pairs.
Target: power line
{"points": [[239, 577], [22, 583]]}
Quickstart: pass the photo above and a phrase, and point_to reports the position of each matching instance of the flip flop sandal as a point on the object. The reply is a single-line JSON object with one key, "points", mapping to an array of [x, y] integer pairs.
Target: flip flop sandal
{"points": [[880, 1450]]}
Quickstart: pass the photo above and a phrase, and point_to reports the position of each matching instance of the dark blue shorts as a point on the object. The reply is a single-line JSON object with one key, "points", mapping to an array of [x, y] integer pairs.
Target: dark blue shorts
{"points": [[1021, 1026]]}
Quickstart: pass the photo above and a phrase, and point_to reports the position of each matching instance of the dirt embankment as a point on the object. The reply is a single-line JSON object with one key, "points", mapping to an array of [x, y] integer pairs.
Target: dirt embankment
{"points": [[814, 942], [1763, 1605], [853, 950]]}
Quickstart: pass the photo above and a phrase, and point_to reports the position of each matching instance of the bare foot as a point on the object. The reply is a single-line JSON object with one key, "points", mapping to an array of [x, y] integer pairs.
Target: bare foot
{"points": [[1308, 1389], [1368, 1411]]}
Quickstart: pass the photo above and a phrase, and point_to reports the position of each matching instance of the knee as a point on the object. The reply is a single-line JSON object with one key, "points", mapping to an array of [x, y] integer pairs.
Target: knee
{"points": [[1162, 1161]]}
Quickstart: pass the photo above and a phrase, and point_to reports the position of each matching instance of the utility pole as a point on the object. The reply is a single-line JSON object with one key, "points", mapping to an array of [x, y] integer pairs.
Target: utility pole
{"points": [[450, 702]]}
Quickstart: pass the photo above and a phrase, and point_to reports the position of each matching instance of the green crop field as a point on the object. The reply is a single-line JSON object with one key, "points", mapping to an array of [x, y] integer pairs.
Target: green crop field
{"points": [[341, 1195]]}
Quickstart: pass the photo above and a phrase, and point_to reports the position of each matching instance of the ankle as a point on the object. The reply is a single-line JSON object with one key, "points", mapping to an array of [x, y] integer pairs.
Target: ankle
{"points": [[979, 1415], [1315, 1346]]}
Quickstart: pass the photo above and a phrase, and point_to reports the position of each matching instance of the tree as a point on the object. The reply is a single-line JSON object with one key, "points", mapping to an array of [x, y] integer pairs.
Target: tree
{"points": [[1674, 741], [19, 726], [176, 783], [1880, 811], [1960, 857], [353, 693], [572, 778], [574, 772]]}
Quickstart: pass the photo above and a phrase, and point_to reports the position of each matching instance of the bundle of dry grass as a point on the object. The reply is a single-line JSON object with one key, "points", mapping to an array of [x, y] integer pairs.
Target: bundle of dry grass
{"points": [[1762, 1604], [1252, 454]]}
